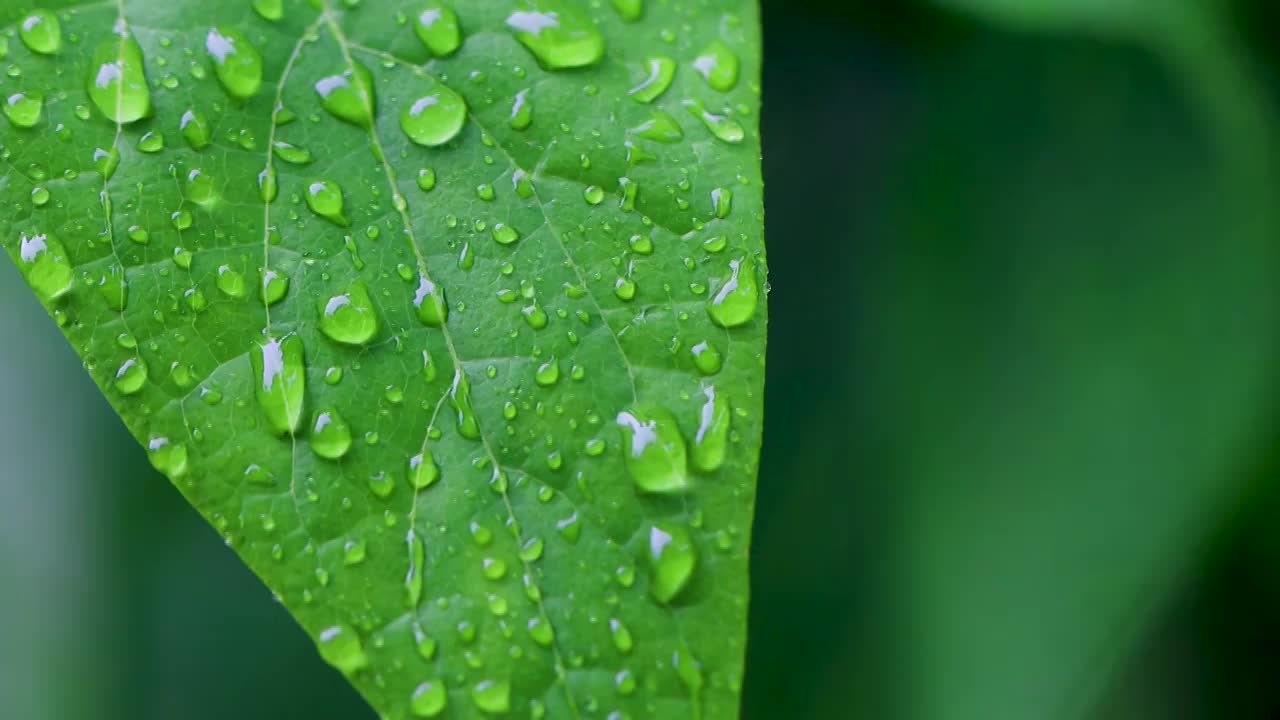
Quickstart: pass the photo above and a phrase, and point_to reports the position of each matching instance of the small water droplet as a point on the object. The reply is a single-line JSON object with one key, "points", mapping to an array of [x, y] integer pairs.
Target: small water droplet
{"points": [[430, 303], [710, 442], [325, 199], [167, 456], [45, 264], [492, 696], [195, 128], [722, 126], [718, 65], [521, 111], [24, 108], [349, 95], [131, 376], [428, 699], [330, 435]]}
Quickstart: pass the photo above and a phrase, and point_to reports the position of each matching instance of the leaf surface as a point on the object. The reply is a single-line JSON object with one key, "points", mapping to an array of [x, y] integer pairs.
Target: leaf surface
{"points": [[457, 339]]}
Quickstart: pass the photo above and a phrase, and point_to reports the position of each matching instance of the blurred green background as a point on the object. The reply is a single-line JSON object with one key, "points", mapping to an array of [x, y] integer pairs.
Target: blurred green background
{"points": [[1021, 410]]}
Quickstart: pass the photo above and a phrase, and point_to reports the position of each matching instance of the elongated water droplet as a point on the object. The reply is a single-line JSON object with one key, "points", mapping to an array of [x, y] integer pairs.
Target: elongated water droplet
{"points": [[521, 111], [349, 317], [505, 234], [430, 303], [413, 578], [722, 126], [722, 202], [672, 560], [268, 187], [423, 470], [151, 141], [341, 647], [41, 32], [660, 72], [434, 118], [274, 286], [711, 440], [556, 34], [492, 696], [167, 456], [195, 128], [325, 198], [622, 639], [437, 27], [629, 10], [660, 127], [428, 699], [426, 179], [280, 376], [236, 62], [105, 161], [269, 9], [735, 302], [330, 434], [349, 95], [460, 398], [45, 264], [118, 81], [718, 65], [23, 108], [291, 153], [653, 450]]}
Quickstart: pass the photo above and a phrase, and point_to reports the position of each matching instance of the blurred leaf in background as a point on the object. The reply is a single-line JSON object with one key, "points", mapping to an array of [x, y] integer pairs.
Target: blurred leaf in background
{"points": [[1021, 403]]}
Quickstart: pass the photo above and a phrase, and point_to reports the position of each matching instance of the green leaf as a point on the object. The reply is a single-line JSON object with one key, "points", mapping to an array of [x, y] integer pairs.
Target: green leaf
{"points": [[449, 319]]}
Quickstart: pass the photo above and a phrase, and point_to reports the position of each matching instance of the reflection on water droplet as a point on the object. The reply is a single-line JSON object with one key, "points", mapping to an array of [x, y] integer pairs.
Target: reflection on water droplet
{"points": [[735, 302], [131, 376], [118, 81], [167, 456], [280, 381], [660, 72], [330, 435], [349, 95], [428, 699], [718, 65], [653, 450], [341, 647], [435, 118], [45, 264], [672, 559], [492, 696], [556, 34], [349, 317], [436, 25], [23, 108], [41, 32], [236, 62], [710, 442], [325, 198]]}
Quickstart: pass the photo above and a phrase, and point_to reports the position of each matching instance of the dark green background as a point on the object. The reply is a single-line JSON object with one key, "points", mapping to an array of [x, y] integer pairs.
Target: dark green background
{"points": [[1021, 408]]}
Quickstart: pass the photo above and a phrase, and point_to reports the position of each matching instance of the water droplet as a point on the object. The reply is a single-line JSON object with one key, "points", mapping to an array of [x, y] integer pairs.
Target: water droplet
{"points": [[492, 696], [722, 202], [200, 189], [557, 35], [622, 639], [706, 357], [413, 577], [593, 194], [340, 646], [423, 470], [428, 699], [274, 286], [353, 552], [230, 282], [625, 682], [426, 179], [629, 10], [505, 234], [688, 670], [625, 289], [435, 118], [548, 373], [268, 188], [672, 559], [195, 128], [653, 450], [236, 62], [432, 308], [44, 263], [182, 257], [152, 141], [711, 439], [494, 568], [40, 196], [540, 630], [460, 399], [131, 376], [118, 81], [661, 70], [349, 95], [167, 456], [722, 126], [437, 27], [105, 161], [718, 65], [324, 197], [291, 153], [279, 366], [23, 108], [41, 32], [735, 302], [349, 317], [269, 9], [521, 111], [330, 435]]}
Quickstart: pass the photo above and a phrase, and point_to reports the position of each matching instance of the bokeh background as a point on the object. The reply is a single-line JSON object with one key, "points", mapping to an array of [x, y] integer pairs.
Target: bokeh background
{"points": [[1020, 455]]}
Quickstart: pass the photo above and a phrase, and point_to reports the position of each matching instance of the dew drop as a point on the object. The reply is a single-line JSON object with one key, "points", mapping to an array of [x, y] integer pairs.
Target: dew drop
{"points": [[672, 559], [274, 287], [290, 153], [41, 32], [426, 179], [428, 699], [340, 646], [23, 108], [460, 399], [349, 95], [167, 456], [711, 439], [236, 62], [423, 470], [325, 198], [118, 81], [735, 302], [492, 696], [521, 111], [434, 118], [280, 368], [718, 65], [660, 71], [548, 373], [622, 639], [131, 376], [437, 27], [151, 141], [706, 357], [269, 9], [629, 10], [557, 35], [653, 450], [195, 128], [430, 304], [44, 263], [349, 318], [722, 126], [330, 435], [505, 234]]}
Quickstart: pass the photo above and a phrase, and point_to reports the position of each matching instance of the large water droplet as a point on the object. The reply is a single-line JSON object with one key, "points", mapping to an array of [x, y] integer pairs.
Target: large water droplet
{"points": [[23, 108], [324, 197], [653, 450], [435, 118], [460, 398], [423, 470], [672, 559], [629, 10], [195, 128], [280, 381], [706, 357], [330, 434], [340, 646], [660, 127], [735, 302], [661, 70], [718, 65], [722, 126], [269, 9], [492, 696], [118, 81], [290, 153], [711, 440], [200, 188], [437, 27], [556, 34], [167, 456], [230, 282], [44, 263], [237, 63], [521, 111], [349, 318], [131, 376], [349, 95], [430, 303], [41, 32], [428, 699]]}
